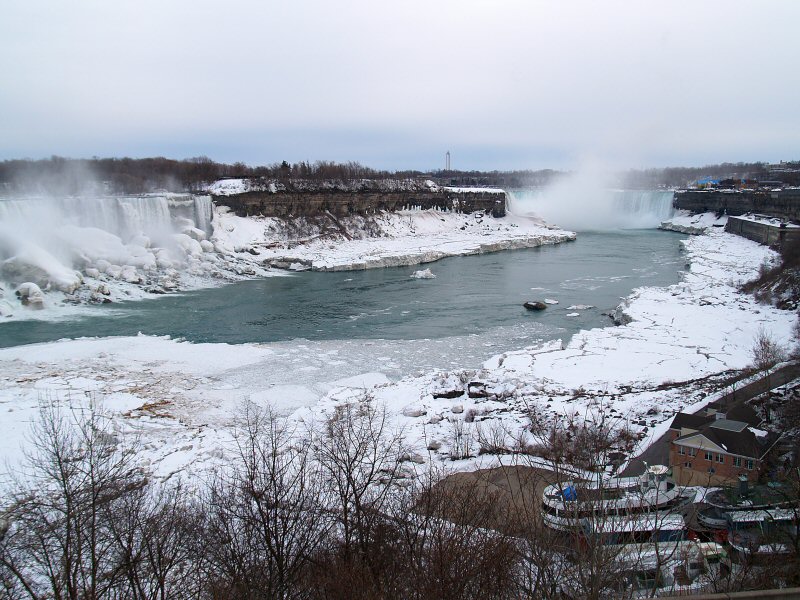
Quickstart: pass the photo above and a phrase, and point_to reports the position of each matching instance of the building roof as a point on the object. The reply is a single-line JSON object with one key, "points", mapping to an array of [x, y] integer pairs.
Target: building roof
{"points": [[690, 421], [741, 442], [728, 425], [737, 412]]}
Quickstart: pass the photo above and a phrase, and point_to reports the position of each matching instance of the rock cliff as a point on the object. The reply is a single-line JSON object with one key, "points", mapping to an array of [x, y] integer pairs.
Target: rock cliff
{"points": [[345, 203], [779, 203]]}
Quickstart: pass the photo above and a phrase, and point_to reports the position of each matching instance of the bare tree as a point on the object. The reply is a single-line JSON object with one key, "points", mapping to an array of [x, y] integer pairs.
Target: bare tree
{"points": [[767, 353], [154, 533], [264, 520], [57, 543], [360, 459]]}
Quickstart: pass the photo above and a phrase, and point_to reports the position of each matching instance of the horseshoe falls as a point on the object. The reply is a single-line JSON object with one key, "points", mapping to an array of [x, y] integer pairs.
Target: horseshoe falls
{"points": [[595, 210]]}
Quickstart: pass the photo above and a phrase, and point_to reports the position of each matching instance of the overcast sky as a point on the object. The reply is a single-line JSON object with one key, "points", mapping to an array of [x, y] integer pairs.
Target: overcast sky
{"points": [[501, 84]]}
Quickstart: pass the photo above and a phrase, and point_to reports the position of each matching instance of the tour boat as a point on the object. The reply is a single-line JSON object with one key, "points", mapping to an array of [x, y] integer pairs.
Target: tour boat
{"points": [[572, 505]]}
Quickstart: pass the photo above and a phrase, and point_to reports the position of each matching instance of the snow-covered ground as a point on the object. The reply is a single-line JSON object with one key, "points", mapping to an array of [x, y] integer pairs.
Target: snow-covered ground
{"points": [[181, 399], [684, 221]]}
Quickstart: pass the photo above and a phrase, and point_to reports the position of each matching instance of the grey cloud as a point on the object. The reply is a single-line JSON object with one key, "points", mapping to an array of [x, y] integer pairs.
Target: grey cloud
{"points": [[668, 83]]}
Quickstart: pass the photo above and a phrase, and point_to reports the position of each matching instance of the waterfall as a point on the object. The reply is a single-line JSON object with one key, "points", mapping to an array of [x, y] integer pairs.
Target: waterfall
{"points": [[124, 217], [203, 209], [48, 240], [594, 210]]}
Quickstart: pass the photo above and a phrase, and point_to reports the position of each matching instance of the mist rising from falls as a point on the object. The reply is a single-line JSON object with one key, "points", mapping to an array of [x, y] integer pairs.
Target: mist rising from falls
{"points": [[592, 209]]}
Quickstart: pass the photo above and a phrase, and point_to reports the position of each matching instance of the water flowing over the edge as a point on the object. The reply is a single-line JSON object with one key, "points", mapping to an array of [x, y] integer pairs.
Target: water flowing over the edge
{"points": [[125, 217], [596, 210]]}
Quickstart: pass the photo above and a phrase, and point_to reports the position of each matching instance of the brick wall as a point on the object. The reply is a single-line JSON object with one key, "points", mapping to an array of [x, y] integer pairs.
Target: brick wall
{"points": [[698, 474]]}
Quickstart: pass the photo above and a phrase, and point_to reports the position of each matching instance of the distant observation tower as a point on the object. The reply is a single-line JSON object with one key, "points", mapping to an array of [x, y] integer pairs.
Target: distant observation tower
{"points": [[447, 161]]}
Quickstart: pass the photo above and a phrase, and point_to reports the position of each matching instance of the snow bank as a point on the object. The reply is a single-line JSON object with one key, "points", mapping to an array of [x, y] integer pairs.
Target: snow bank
{"points": [[684, 221], [640, 373], [384, 240]]}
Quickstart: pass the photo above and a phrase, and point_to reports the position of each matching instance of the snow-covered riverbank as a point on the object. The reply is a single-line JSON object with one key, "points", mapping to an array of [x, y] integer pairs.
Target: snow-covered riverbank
{"points": [[181, 399], [382, 240]]}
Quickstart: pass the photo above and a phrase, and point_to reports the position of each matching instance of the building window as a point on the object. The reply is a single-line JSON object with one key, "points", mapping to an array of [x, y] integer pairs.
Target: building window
{"points": [[749, 464], [681, 450], [737, 461], [708, 456], [711, 470], [720, 458], [688, 465], [692, 451]]}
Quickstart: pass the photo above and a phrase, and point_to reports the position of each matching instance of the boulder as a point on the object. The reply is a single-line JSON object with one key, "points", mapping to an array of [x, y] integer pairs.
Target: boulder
{"points": [[477, 389], [448, 394], [30, 295], [536, 305], [414, 411]]}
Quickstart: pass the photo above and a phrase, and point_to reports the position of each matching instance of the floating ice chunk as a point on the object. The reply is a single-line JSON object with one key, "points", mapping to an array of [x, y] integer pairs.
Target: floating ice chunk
{"points": [[573, 314], [580, 307], [550, 301], [423, 274]]}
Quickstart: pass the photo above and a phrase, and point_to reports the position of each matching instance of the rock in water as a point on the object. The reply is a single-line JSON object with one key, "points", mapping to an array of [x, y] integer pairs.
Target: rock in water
{"points": [[535, 305]]}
